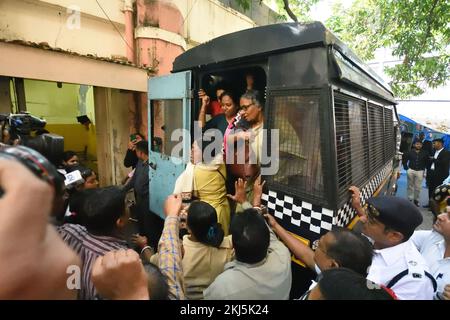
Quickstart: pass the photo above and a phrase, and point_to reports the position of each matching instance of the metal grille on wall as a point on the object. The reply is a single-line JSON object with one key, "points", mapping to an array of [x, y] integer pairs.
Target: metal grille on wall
{"points": [[363, 130]]}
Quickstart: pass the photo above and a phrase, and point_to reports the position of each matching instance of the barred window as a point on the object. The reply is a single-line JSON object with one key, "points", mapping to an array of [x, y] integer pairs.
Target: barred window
{"points": [[351, 142], [300, 161], [390, 139], [364, 140], [376, 136]]}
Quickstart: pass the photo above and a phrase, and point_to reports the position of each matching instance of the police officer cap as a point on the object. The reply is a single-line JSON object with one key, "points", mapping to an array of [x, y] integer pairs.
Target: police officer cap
{"points": [[396, 213], [441, 193]]}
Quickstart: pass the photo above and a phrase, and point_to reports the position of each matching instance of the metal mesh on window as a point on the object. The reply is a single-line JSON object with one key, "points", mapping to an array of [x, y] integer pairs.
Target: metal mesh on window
{"points": [[365, 140], [300, 163], [351, 142], [389, 144], [377, 136]]}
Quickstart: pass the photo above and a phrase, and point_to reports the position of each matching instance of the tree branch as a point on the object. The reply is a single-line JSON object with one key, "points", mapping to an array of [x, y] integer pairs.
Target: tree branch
{"points": [[289, 11]]}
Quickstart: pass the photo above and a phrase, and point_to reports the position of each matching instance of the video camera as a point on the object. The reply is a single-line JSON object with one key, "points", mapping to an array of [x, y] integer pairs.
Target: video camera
{"points": [[29, 131]]}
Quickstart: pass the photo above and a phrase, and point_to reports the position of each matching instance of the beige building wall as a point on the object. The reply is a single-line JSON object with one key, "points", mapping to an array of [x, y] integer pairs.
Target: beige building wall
{"points": [[208, 19], [52, 21]]}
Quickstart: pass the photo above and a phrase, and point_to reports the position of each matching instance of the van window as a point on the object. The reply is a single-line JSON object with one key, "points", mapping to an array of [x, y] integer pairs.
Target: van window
{"points": [[300, 161], [365, 140], [167, 116], [351, 142]]}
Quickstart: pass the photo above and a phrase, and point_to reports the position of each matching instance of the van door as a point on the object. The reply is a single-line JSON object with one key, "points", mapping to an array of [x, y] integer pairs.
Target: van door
{"points": [[169, 113]]}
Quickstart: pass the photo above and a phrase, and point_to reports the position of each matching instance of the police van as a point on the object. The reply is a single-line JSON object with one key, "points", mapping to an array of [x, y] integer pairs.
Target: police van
{"points": [[341, 116]]}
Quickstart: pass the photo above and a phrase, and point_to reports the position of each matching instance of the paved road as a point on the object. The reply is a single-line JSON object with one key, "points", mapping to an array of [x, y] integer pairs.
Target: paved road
{"points": [[427, 215]]}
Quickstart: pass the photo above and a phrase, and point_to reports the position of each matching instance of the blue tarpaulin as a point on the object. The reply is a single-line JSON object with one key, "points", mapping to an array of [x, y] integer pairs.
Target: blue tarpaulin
{"points": [[414, 127]]}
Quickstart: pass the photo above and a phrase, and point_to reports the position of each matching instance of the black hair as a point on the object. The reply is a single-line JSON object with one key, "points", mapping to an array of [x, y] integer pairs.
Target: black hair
{"points": [[229, 94], [157, 282], [100, 209], [351, 250], [67, 155], [142, 146], [250, 236], [202, 221], [346, 284], [221, 85]]}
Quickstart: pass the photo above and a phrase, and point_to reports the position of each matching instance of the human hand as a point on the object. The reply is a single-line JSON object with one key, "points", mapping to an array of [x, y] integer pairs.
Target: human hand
{"points": [[271, 220], [258, 191], [356, 197], [132, 145], [120, 275], [446, 293], [240, 196], [37, 259], [204, 97], [172, 205], [140, 241]]}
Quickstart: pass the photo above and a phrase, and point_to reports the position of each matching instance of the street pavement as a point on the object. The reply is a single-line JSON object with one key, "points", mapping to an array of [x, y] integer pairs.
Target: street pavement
{"points": [[427, 223]]}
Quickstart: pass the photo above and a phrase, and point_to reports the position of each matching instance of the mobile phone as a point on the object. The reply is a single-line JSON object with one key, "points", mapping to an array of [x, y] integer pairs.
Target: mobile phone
{"points": [[132, 137]]}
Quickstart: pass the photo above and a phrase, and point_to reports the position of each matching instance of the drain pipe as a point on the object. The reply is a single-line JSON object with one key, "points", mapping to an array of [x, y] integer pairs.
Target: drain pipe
{"points": [[129, 29]]}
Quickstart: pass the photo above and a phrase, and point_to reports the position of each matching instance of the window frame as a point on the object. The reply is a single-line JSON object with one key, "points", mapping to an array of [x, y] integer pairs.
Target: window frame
{"points": [[326, 197], [386, 157]]}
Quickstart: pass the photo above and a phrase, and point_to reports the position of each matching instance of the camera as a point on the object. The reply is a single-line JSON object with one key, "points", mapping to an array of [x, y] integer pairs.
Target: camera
{"points": [[37, 164], [73, 179], [28, 130]]}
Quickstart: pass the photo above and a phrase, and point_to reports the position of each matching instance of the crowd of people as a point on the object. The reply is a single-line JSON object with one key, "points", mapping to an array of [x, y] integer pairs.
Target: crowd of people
{"points": [[427, 159], [217, 240]]}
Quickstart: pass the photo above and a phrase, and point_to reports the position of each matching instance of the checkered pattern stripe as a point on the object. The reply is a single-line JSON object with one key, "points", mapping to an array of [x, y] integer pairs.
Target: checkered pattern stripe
{"points": [[299, 213], [346, 213]]}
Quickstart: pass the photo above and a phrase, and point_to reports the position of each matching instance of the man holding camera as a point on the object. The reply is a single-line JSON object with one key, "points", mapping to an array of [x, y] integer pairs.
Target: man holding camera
{"points": [[38, 270]]}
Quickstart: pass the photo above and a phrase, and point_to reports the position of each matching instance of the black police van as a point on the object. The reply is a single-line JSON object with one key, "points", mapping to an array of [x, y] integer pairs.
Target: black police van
{"points": [[340, 115]]}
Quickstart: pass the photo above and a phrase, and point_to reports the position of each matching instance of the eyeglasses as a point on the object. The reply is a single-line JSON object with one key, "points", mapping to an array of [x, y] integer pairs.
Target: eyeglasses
{"points": [[245, 107]]}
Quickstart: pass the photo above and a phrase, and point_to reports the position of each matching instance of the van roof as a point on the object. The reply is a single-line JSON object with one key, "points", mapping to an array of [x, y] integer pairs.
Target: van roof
{"points": [[267, 40]]}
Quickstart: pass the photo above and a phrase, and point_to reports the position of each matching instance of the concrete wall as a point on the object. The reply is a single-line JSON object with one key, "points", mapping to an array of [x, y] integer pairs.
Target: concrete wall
{"points": [[48, 21], [208, 19], [60, 107]]}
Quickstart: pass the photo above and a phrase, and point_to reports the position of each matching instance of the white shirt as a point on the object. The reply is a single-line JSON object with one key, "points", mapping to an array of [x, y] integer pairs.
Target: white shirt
{"points": [[446, 181], [389, 262], [432, 247], [436, 155]]}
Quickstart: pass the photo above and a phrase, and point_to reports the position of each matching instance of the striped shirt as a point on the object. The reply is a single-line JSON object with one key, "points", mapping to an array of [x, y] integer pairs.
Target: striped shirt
{"points": [[169, 262], [88, 247]]}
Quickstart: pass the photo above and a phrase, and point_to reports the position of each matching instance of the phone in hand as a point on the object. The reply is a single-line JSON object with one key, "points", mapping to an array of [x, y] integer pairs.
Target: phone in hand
{"points": [[132, 137]]}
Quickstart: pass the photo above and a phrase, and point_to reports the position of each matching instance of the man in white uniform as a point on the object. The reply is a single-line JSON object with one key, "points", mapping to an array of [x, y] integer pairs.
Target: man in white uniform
{"points": [[434, 245], [397, 264]]}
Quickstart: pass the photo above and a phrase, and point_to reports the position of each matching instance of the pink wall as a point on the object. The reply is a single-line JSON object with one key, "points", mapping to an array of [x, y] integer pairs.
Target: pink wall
{"points": [[160, 14], [156, 53]]}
